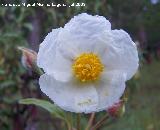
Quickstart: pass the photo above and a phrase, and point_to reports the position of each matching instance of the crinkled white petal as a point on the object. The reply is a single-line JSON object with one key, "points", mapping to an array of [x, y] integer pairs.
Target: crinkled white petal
{"points": [[87, 25], [121, 52], [70, 96], [62, 68], [81, 34], [71, 46], [47, 51], [51, 60], [110, 88]]}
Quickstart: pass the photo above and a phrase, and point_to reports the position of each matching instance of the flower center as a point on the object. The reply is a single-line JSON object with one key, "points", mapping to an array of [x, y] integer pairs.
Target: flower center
{"points": [[87, 67]]}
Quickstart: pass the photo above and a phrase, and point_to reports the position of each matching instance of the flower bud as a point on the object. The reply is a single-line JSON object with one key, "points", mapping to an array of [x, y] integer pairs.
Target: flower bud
{"points": [[29, 57], [117, 110]]}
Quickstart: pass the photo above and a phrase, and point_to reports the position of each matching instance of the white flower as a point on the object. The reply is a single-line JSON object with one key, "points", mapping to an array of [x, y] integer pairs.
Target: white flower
{"points": [[86, 64]]}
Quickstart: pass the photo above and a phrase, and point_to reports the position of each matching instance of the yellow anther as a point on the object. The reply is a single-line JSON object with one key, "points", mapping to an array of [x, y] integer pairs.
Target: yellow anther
{"points": [[87, 67]]}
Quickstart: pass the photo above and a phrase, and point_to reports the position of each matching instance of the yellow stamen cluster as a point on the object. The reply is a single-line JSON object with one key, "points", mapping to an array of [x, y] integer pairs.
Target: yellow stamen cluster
{"points": [[87, 67]]}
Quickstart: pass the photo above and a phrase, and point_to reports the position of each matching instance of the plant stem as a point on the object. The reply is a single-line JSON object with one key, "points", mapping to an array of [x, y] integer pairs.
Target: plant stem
{"points": [[78, 121], [68, 125], [71, 120], [99, 123], [90, 121]]}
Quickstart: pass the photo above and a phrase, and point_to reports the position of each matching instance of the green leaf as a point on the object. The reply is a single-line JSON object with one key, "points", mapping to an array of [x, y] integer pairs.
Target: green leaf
{"points": [[7, 83], [53, 109], [28, 26]]}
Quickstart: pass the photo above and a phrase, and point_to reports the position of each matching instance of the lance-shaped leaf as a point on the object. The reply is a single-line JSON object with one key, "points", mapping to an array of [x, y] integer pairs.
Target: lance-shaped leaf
{"points": [[53, 109]]}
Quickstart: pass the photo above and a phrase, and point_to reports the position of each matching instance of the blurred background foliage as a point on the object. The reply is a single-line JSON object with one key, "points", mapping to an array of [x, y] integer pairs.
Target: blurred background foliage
{"points": [[22, 26]]}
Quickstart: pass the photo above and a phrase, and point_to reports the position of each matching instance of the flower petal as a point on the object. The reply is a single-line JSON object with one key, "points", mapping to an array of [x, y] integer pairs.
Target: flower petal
{"points": [[62, 68], [121, 53], [72, 46], [70, 96], [110, 88], [47, 51], [81, 35], [87, 25], [51, 60]]}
